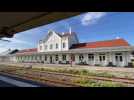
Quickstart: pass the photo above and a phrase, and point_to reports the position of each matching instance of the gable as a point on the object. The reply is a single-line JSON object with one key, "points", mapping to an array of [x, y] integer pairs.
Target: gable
{"points": [[50, 33]]}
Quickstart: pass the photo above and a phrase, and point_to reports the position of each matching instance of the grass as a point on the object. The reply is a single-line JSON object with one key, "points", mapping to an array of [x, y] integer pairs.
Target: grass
{"points": [[78, 72], [85, 72], [96, 83], [82, 81]]}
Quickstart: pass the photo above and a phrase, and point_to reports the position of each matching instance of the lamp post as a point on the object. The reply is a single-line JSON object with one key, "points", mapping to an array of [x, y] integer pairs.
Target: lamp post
{"points": [[72, 59], [71, 63]]}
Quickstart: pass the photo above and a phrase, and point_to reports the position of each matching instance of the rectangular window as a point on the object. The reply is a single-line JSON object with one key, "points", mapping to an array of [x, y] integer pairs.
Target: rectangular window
{"points": [[91, 57], [103, 58], [56, 58], [56, 46], [81, 57], [64, 45], [45, 57], [100, 58], [121, 58], [25, 57], [46, 47], [116, 58], [51, 46], [31, 57], [35, 57], [40, 47], [64, 57], [40, 57]]}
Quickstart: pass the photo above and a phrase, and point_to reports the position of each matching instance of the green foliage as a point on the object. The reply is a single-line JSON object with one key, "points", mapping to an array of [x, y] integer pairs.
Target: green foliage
{"points": [[79, 72], [95, 83]]}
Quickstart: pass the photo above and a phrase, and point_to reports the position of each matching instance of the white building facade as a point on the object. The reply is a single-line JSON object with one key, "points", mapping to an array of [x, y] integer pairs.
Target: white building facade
{"points": [[65, 48]]}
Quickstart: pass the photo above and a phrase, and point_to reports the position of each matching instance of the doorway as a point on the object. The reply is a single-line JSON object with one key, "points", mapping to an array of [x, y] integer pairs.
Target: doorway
{"points": [[91, 59], [51, 59], [102, 59], [119, 59]]}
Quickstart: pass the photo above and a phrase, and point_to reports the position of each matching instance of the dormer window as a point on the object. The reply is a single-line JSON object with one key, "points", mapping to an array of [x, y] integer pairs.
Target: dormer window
{"points": [[64, 45], [40, 41]]}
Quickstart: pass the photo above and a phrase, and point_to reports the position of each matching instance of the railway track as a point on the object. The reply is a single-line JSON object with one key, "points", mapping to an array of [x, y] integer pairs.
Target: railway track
{"points": [[62, 78], [46, 81], [114, 79], [36, 76]]}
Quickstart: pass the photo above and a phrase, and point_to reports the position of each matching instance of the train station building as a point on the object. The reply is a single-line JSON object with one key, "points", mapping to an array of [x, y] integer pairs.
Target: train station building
{"points": [[65, 48]]}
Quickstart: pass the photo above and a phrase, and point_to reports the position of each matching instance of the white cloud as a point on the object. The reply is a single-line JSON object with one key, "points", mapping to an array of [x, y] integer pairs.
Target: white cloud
{"points": [[117, 37], [3, 49], [21, 42], [91, 17], [14, 44], [18, 41]]}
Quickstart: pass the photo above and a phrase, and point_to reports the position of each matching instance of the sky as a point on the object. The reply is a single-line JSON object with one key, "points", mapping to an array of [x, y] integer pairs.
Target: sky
{"points": [[89, 27]]}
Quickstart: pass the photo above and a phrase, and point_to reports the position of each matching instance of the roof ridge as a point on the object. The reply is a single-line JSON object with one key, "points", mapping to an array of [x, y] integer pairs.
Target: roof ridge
{"points": [[102, 41], [110, 40]]}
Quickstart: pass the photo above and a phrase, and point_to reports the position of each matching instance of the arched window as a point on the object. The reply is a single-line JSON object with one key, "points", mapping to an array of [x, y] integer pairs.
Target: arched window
{"points": [[57, 46], [64, 45]]}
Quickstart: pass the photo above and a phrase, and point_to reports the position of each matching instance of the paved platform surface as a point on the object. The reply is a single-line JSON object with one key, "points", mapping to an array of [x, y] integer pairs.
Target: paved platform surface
{"points": [[5, 84], [11, 81]]}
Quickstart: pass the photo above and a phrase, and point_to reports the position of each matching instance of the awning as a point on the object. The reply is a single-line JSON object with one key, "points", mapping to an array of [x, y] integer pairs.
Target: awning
{"points": [[14, 22]]}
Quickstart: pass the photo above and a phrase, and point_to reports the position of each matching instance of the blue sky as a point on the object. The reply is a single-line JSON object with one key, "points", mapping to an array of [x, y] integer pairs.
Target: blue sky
{"points": [[90, 26]]}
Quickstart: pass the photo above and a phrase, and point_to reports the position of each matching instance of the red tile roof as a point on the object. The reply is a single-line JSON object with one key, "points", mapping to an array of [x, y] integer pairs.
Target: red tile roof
{"points": [[98, 44], [25, 51]]}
